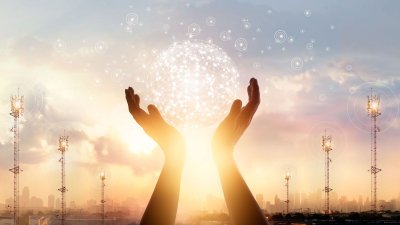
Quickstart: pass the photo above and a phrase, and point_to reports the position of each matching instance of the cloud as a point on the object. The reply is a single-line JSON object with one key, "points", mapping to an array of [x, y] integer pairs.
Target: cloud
{"points": [[30, 51], [111, 149], [281, 93]]}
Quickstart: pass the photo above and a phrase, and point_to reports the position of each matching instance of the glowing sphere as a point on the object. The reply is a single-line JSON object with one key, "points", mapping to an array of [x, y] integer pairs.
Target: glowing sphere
{"points": [[193, 83]]}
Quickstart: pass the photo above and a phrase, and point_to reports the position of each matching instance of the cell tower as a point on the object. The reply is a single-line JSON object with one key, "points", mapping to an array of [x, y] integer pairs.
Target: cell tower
{"points": [[103, 185], [17, 109], [327, 147], [63, 147], [287, 178], [373, 112]]}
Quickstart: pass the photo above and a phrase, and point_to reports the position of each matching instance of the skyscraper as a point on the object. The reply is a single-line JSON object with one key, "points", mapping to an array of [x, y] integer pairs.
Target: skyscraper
{"points": [[25, 198], [50, 201], [260, 200]]}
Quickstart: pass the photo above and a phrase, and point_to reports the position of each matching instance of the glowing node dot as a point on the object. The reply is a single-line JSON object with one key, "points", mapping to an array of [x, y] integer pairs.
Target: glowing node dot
{"points": [[193, 29], [211, 21], [59, 45], [225, 36], [100, 47], [280, 36], [132, 19], [297, 63], [241, 44], [193, 83], [246, 24], [307, 13]]}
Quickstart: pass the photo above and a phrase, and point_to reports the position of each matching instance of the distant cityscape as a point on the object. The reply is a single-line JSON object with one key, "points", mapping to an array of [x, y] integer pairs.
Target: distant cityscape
{"points": [[314, 203], [299, 202], [33, 203]]}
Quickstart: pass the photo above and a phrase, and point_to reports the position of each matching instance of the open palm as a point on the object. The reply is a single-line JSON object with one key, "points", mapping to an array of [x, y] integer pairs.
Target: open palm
{"points": [[168, 137], [237, 121]]}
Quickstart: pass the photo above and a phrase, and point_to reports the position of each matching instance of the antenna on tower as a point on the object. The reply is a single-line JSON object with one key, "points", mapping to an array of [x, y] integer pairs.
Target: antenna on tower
{"points": [[17, 109], [63, 147], [287, 178], [103, 185], [327, 147], [373, 109]]}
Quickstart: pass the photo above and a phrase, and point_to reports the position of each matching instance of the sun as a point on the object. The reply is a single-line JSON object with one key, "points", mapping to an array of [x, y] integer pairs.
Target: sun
{"points": [[137, 140], [130, 132]]}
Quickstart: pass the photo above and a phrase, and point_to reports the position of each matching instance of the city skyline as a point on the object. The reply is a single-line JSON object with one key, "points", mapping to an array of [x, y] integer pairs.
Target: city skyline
{"points": [[312, 202], [315, 63]]}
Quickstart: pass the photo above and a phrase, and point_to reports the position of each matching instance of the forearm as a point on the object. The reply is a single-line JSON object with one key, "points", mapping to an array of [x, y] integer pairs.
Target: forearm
{"points": [[163, 203], [242, 206]]}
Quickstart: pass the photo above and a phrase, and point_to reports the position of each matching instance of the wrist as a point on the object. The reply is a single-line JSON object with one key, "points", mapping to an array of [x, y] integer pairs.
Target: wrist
{"points": [[222, 155], [176, 159]]}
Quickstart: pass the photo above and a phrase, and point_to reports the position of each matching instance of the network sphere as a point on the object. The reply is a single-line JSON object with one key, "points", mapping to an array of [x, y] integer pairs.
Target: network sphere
{"points": [[193, 83]]}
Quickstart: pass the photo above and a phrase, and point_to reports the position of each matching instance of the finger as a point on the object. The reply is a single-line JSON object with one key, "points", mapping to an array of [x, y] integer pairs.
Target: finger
{"points": [[138, 114], [129, 99], [233, 114], [249, 92], [137, 100], [154, 112], [131, 91], [235, 109], [255, 91], [251, 107], [132, 94], [254, 98]]}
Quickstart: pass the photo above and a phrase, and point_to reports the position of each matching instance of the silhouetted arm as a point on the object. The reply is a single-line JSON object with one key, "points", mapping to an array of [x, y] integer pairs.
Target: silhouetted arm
{"points": [[163, 203], [242, 206]]}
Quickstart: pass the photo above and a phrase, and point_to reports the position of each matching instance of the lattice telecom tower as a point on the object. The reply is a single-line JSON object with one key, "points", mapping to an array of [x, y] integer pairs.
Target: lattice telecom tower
{"points": [[63, 147], [287, 178], [327, 147], [17, 109], [373, 112], [103, 185]]}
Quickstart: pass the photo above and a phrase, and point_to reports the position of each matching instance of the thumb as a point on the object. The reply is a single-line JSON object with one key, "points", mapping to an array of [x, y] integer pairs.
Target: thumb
{"points": [[154, 112], [235, 109]]}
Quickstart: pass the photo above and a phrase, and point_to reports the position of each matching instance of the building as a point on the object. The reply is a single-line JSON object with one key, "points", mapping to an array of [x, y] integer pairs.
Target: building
{"points": [[89, 220], [25, 198], [50, 202], [260, 200], [6, 220]]}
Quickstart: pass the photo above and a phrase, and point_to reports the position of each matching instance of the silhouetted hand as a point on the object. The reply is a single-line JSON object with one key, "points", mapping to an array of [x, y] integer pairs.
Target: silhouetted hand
{"points": [[243, 208], [163, 203], [233, 126], [168, 137]]}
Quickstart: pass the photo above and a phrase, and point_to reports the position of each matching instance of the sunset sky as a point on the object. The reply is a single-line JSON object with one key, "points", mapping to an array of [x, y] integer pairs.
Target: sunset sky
{"points": [[72, 60]]}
